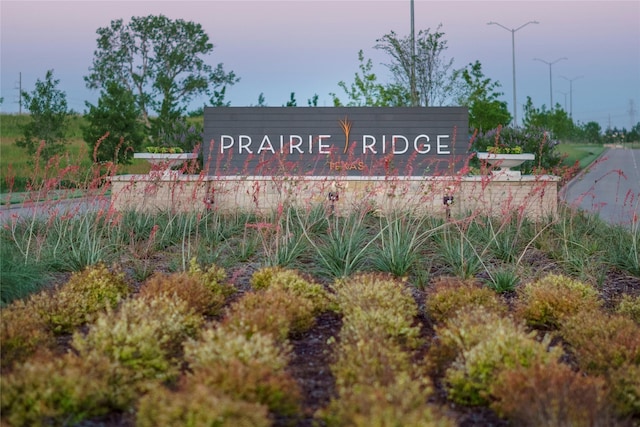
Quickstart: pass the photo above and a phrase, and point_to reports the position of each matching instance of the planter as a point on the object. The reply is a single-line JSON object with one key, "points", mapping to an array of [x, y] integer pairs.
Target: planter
{"points": [[165, 161], [504, 162]]}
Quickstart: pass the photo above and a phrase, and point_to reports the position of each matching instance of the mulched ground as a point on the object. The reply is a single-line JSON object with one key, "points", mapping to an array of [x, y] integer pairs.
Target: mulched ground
{"points": [[311, 358], [310, 364]]}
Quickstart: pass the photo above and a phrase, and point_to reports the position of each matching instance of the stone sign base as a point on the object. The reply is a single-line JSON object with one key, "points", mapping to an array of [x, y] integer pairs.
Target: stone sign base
{"points": [[536, 197]]}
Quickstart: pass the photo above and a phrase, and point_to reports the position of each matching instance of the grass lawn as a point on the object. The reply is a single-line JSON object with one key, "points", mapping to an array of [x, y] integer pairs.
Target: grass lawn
{"points": [[15, 163], [585, 154]]}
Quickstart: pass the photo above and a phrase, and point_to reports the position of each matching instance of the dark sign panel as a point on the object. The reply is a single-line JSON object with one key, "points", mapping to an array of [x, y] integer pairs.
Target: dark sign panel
{"points": [[320, 141]]}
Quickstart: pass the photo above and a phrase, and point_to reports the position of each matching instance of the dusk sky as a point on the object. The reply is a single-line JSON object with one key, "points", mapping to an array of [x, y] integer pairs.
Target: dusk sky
{"points": [[307, 47]]}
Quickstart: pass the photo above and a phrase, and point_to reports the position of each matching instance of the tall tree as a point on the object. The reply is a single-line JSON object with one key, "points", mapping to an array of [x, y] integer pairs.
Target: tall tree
{"points": [[436, 79], [47, 106], [365, 91], [481, 95], [591, 132], [117, 116], [161, 61], [557, 120]]}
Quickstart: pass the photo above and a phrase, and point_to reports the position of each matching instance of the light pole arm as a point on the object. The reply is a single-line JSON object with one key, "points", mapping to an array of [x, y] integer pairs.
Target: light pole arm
{"points": [[513, 61]]}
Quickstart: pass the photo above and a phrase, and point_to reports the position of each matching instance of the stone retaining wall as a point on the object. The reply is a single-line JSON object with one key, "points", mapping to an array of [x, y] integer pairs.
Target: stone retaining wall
{"points": [[534, 196]]}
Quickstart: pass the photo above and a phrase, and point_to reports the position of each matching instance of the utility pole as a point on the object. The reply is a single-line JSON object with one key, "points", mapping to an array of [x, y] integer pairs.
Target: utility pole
{"points": [[414, 94], [20, 93], [19, 88]]}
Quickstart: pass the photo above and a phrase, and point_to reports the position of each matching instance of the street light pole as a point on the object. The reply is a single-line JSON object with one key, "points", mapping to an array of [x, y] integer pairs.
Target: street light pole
{"points": [[571, 92], [550, 79], [513, 59]]}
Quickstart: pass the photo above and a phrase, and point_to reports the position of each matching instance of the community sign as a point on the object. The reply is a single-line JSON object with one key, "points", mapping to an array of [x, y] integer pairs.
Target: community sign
{"points": [[326, 141]]}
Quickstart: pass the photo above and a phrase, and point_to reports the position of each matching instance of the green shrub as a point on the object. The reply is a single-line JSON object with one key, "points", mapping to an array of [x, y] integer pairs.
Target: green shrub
{"points": [[447, 295], [602, 342], [144, 337], [200, 297], [373, 360], [546, 302], [213, 278], [22, 333], [247, 367], [56, 391], [630, 306], [378, 304], [401, 403], [221, 345], [291, 281], [485, 350], [377, 381], [526, 140], [273, 311], [624, 389], [550, 394], [78, 301], [462, 332], [198, 405]]}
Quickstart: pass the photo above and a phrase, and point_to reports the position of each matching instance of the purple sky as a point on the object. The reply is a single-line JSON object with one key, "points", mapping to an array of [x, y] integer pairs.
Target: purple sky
{"points": [[307, 47]]}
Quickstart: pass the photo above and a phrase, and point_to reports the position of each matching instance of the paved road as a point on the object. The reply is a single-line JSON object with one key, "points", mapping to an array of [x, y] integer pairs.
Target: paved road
{"points": [[45, 210], [610, 187]]}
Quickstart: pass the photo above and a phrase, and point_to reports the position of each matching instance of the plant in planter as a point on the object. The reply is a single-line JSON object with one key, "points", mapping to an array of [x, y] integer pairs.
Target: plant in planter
{"points": [[517, 141], [165, 158], [504, 162], [164, 150], [497, 149]]}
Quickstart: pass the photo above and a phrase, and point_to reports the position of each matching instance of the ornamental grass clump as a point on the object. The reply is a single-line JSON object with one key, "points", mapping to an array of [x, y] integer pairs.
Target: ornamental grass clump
{"points": [[378, 305], [544, 303], [293, 282], [198, 405], [22, 333], [488, 344], [143, 338], [273, 311], [81, 299], [551, 394], [447, 295], [245, 367]]}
